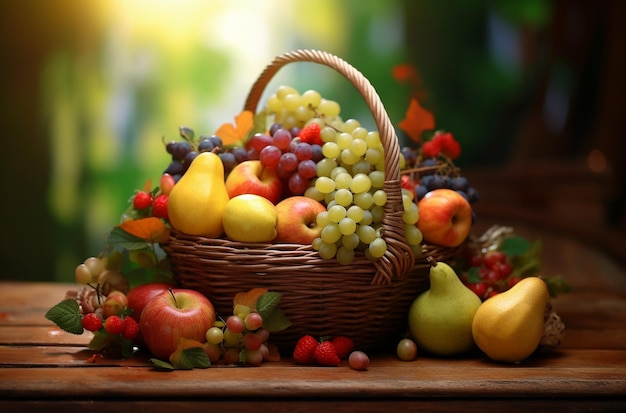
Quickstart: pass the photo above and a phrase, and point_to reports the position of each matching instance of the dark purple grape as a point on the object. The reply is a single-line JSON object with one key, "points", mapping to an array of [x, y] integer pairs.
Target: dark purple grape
{"points": [[460, 183], [438, 182], [420, 191], [240, 154], [426, 181], [189, 159], [409, 156], [317, 152], [463, 194], [175, 168], [274, 128], [205, 145], [472, 193], [295, 131], [180, 150], [228, 160], [217, 141], [169, 147], [428, 163]]}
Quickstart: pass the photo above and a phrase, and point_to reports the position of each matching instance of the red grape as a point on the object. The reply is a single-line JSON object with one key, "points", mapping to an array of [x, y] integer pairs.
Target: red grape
{"points": [[269, 156], [358, 361]]}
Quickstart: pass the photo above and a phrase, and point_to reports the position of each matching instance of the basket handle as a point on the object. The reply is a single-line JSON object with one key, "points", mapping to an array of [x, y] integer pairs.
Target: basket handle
{"points": [[399, 258]]}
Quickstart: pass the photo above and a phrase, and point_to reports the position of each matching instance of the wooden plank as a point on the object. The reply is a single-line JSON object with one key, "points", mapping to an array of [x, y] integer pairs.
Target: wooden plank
{"points": [[41, 335]]}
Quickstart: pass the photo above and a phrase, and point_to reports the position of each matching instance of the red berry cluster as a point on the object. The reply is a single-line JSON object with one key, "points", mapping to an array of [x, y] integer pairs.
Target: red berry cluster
{"points": [[329, 353], [489, 274], [442, 143], [154, 204]]}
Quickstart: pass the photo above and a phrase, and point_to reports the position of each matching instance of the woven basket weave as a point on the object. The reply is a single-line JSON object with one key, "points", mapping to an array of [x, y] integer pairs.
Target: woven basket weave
{"points": [[367, 301]]}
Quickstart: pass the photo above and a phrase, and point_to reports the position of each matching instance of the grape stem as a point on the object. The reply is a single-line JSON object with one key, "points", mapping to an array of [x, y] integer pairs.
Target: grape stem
{"points": [[431, 261]]}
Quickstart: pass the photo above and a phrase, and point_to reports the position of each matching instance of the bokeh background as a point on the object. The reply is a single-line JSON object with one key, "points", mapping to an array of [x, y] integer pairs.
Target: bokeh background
{"points": [[89, 90]]}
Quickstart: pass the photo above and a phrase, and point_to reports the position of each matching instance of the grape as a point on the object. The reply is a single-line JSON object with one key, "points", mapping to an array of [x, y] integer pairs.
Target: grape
{"points": [[253, 321], [345, 256], [175, 168], [355, 213], [328, 108], [303, 151], [228, 160], [270, 156], [254, 357], [377, 213], [373, 156], [297, 184], [348, 157], [377, 178], [282, 139], [231, 356], [343, 180], [214, 335], [235, 324], [95, 265], [263, 334], [330, 233], [251, 341], [331, 150], [336, 213], [343, 197], [350, 125], [361, 166], [328, 134], [325, 167], [420, 191], [412, 234], [347, 226], [83, 274], [377, 247], [358, 147], [379, 197], [364, 200], [292, 101], [360, 183], [179, 150], [373, 140], [205, 145], [410, 156], [288, 162], [350, 241], [366, 233], [344, 141], [311, 98], [472, 194], [260, 141], [302, 114], [327, 251], [411, 215], [406, 350], [307, 169], [368, 218], [322, 219], [358, 360], [360, 133], [324, 185], [231, 338]]}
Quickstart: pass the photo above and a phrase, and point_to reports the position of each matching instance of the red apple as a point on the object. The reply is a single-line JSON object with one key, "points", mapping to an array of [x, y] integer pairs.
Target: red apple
{"points": [[250, 177], [296, 220], [139, 296], [445, 217], [172, 315]]}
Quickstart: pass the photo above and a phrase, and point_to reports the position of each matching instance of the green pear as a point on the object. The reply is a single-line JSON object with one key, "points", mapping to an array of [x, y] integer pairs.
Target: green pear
{"points": [[196, 203], [440, 318], [509, 326]]}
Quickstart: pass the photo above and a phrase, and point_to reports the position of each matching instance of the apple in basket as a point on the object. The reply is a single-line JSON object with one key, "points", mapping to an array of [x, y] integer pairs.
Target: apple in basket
{"points": [[296, 220], [251, 177], [445, 217], [172, 315]]}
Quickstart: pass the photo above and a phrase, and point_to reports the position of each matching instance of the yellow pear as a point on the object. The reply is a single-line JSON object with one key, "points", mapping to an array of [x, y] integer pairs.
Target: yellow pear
{"points": [[196, 203], [440, 318], [508, 327]]}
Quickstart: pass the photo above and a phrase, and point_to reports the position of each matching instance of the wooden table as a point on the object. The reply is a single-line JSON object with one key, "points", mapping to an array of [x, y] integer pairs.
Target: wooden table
{"points": [[45, 369]]}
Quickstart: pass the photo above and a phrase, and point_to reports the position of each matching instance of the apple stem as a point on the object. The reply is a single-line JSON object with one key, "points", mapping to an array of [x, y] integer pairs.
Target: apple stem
{"points": [[173, 297], [431, 261]]}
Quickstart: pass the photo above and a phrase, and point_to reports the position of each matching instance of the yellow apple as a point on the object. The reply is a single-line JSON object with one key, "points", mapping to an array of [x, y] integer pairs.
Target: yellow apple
{"points": [[250, 218], [445, 217], [297, 220]]}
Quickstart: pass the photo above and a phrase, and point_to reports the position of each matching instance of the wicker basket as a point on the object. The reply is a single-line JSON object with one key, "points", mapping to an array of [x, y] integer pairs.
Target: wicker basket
{"points": [[367, 301]]}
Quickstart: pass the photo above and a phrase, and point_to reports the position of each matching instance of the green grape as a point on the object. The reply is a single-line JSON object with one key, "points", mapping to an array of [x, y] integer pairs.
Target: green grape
{"points": [[336, 213], [377, 213], [366, 233], [364, 200], [95, 265], [329, 199], [407, 201], [330, 233], [292, 102], [274, 105], [368, 218], [380, 197], [230, 338], [373, 156], [348, 157], [344, 140], [313, 193], [377, 178], [347, 226], [350, 241], [303, 113], [360, 133], [328, 134], [373, 140], [317, 243], [322, 219], [345, 256], [284, 90], [325, 167], [338, 170], [377, 247], [289, 122], [331, 150], [412, 234], [411, 215], [358, 147], [328, 251], [355, 213], [311, 98], [324, 184], [380, 166], [214, 335], [350, 125], [343, 180], [361, 166], [83, 274], [328, 108], [360, 183], [343, 197]]}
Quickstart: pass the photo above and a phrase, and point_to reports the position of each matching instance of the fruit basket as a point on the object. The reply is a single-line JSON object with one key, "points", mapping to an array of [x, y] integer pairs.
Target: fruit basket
{"points": [[365, 300]]}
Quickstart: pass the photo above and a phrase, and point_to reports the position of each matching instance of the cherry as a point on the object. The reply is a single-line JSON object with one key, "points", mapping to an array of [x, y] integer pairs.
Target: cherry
{"points": [[492, 258]]}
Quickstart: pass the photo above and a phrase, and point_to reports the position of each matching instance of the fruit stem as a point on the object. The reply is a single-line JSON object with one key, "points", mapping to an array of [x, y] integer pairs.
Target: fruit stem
{"points": [[173, 297], [431, 261]]}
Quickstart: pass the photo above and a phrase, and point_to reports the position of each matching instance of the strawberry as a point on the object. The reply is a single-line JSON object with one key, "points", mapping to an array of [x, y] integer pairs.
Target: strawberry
{"points": [[343, 346], [114, 325], [326, 354], [159, 207], [311, 134], [131, 328], [142, 200], [91, 322], [305, 350]]}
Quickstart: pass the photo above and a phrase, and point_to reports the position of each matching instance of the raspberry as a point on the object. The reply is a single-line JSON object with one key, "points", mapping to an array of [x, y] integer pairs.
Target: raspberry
{"points": [[449, 146], [131, 328], [114, 325], [142, 200], [431, 149], [159, 207], [326, 354], [305, 350], [91, 322], [343, 346], [311, 134]]}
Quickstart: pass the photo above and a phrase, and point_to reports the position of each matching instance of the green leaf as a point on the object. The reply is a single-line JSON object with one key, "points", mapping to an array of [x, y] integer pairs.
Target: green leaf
{"points": [[514, 246], [276, 321], [100, 341], [160, 364], [556, 285], [189, 358], [66, 315], [472, 275], [125, 240], [267, 303]]}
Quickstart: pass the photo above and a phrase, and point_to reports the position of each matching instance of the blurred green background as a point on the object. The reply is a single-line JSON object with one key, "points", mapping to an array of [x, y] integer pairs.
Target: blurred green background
{"points": [[89, 90]]}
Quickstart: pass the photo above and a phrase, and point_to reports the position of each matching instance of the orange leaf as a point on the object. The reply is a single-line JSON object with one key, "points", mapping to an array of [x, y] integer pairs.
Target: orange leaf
{"points": [[250, 298], [147, 187], [416, 121], [244, 122], [151, 229]]}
